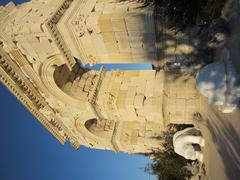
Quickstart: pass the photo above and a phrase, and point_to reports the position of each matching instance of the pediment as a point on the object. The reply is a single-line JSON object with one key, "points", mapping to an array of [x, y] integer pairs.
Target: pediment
{"points": [[109, 32]]}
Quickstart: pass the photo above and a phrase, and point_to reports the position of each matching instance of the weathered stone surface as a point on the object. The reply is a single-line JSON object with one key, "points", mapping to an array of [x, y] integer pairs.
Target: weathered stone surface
{"points": [[114, 110]]}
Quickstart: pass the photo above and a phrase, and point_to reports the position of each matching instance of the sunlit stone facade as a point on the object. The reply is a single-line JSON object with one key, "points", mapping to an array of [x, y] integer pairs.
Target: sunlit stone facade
{"points": [[114, 110]]}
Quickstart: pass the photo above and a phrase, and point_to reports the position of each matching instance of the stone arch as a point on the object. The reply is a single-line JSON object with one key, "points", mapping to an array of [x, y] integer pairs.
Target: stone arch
{"points": [[95, 136], [69, 81], [47, 77], [90, 123], [95, 127], [80, 83]]}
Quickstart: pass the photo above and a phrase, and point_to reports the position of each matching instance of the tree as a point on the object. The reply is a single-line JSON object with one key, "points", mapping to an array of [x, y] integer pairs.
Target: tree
{"points": [[167, 165]]}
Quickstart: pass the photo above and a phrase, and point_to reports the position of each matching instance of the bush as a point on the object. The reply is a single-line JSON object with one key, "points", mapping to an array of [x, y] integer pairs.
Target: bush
{"points": [[167, 165], [185, 13]]}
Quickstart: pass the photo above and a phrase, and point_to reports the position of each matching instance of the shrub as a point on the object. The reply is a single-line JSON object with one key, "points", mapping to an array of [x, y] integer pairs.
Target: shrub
{"points": [[167, 165]]}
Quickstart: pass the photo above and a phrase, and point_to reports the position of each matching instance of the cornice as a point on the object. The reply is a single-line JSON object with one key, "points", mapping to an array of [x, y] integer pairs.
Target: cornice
{"points": [[21, 86], [93, 95], [116, 146], [74, 23], [21, 81], [51, 25], [67, 21], [22, 91]]}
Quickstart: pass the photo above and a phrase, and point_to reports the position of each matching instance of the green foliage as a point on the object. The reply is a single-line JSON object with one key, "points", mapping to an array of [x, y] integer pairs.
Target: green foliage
{"points": [[167, 165], [184, 13]]}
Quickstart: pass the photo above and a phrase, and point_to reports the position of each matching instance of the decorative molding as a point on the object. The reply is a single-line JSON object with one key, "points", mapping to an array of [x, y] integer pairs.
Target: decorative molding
{"points": [[51, 25], [10, 68], [79, 24], [23, 93], [97, 86], [74, 24]]}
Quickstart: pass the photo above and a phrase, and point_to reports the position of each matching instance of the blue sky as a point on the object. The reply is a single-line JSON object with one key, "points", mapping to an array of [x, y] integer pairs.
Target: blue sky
{"points": [[109, 67], [29, 152], [3, 2]]}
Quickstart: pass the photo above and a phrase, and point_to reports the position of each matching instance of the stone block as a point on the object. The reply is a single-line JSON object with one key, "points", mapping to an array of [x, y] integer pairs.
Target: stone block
{"points": [[141, 88], [139, 55], [134, 136], [136, 39], [141, 112], [108, 37], [121, 8], [131, 74], [135, 81], [118, 25], [89, 44], [112, 47], [99, 6], [67, 87], [99, 44], [138, 101], [134, 21], [82, 82], [82, 96], [109, 8], [89, 81], [104, 23], [149, 90], [115, 89], [72, 76], [149, 21], [122, 42], [141, 135], [86, 88], [121, 99], [134, 5], [149, 41], [124, 86], [120, 57]]}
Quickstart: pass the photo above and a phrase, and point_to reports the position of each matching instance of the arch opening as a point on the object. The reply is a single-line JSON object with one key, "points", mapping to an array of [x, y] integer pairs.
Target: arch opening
{"points": [[90, 124], [78, 83], [100, 128]]}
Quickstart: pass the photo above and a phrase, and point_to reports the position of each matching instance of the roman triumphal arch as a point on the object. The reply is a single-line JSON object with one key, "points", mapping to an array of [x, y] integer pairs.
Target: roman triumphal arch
{"points": [[116, 110]]}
